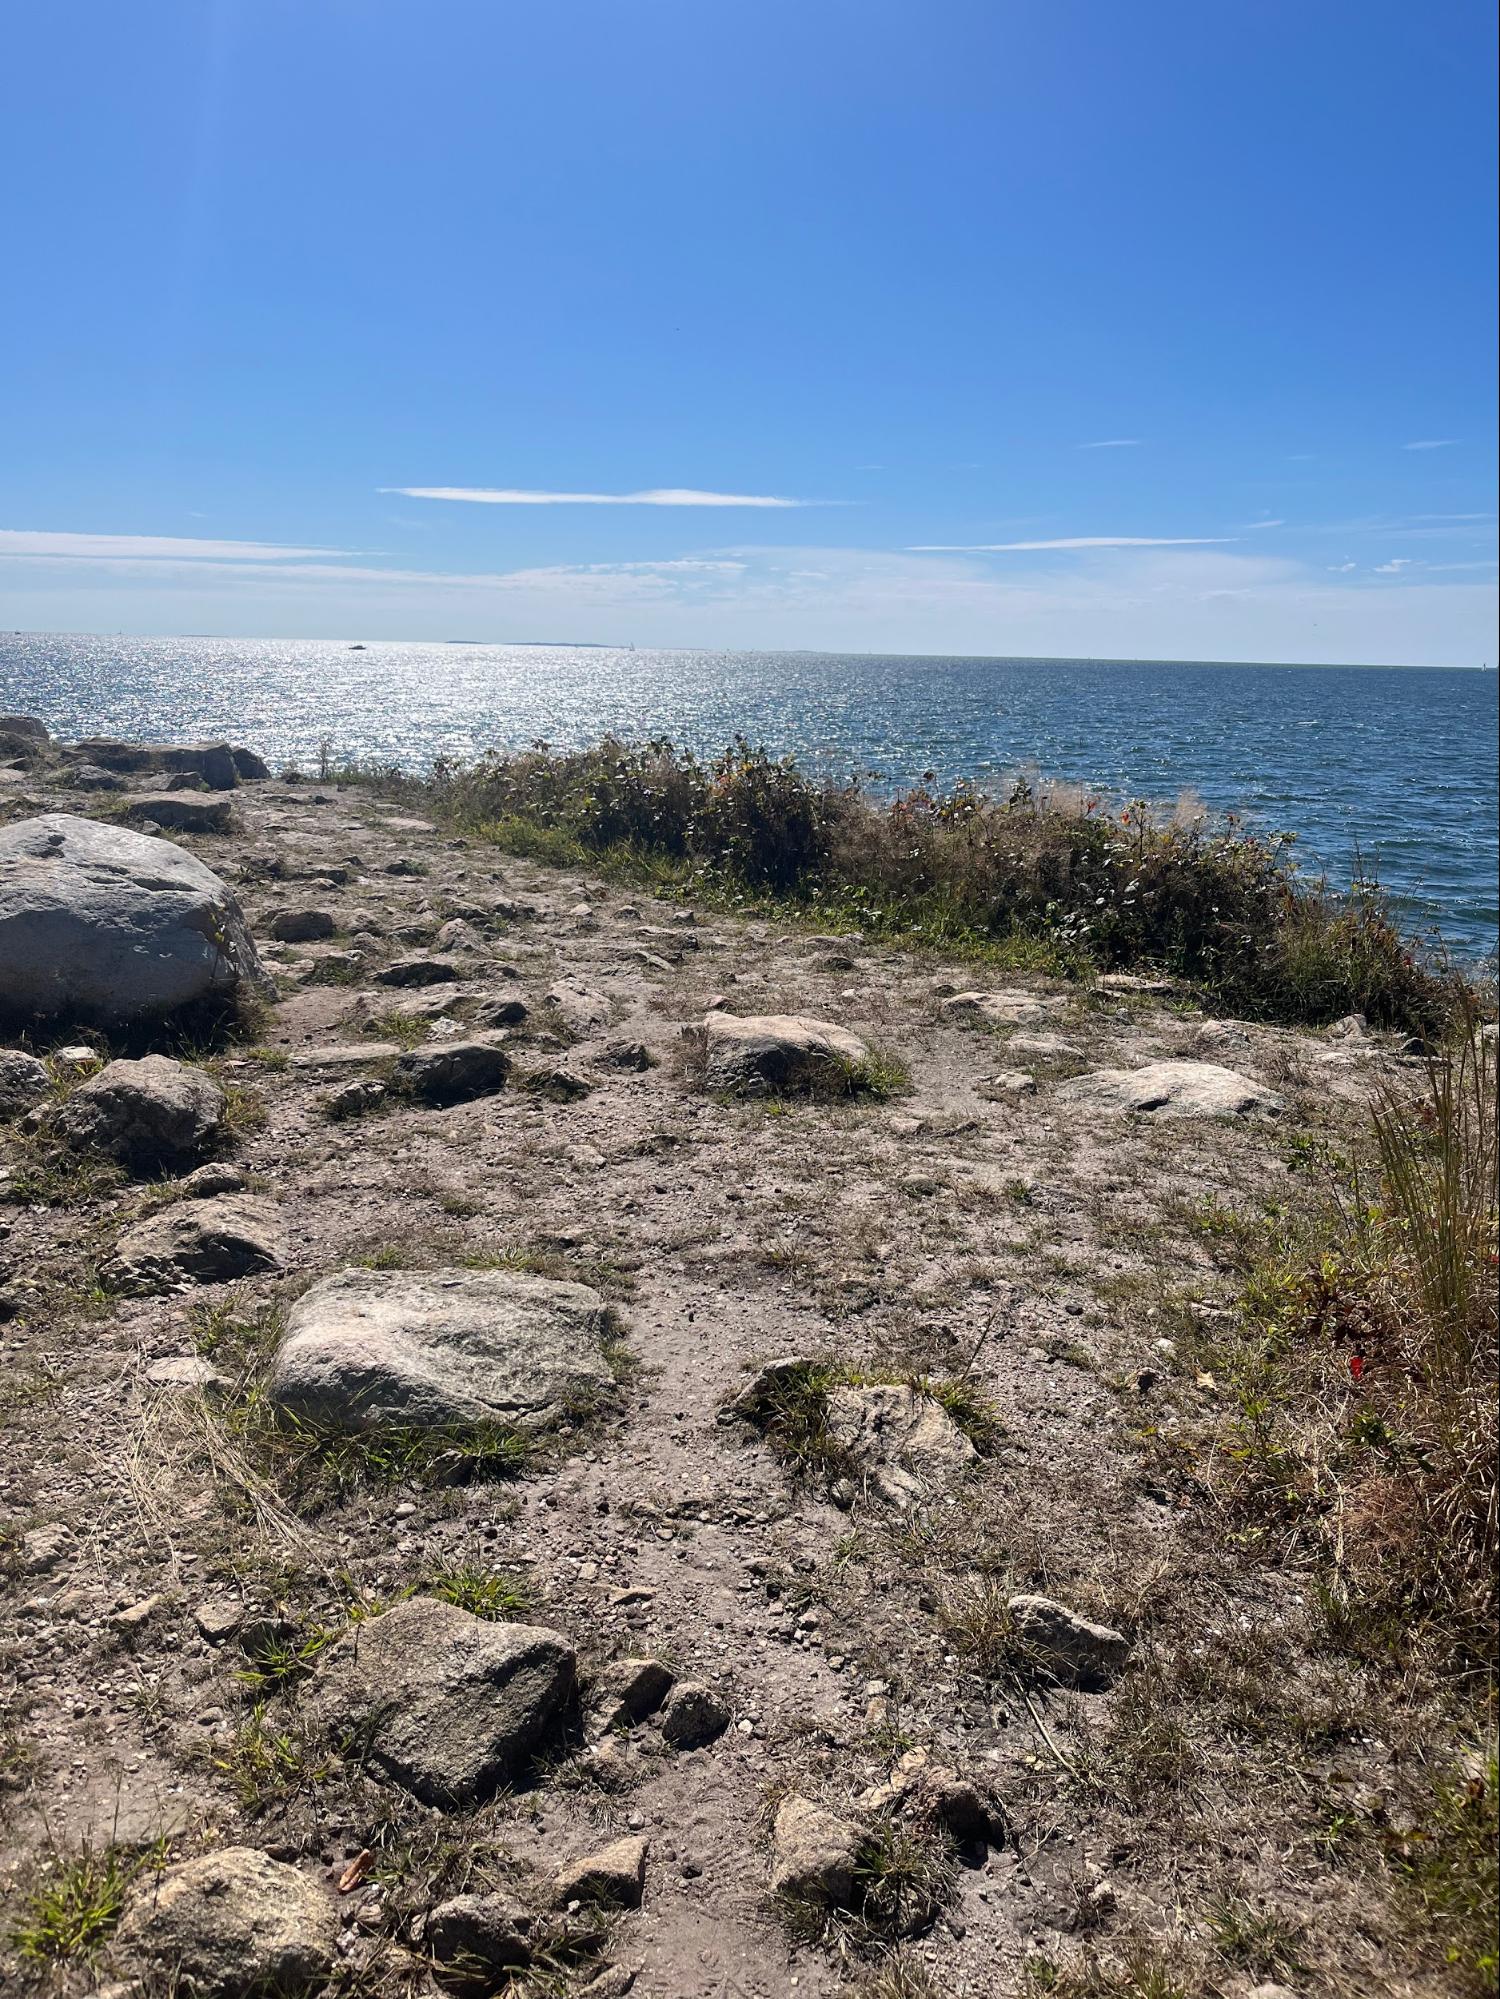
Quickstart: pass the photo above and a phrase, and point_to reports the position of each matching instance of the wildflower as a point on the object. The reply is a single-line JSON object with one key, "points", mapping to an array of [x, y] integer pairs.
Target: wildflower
{"points": [[1356, 1365]]}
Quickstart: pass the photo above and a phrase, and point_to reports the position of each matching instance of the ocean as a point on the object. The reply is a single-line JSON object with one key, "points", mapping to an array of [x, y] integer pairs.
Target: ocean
{"points": [[1379, 771]]}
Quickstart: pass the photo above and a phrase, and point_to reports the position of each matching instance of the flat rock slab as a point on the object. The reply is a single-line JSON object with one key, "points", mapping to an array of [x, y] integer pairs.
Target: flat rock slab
{"points": [[198, 1242], [1176, 1090], [1065, 1644], [450, 1706], [155, 1112], [1002, 1009], [346, 1055], [180, 811], [905, 1444], [231, 1924], [436, 1347], [453, 1072], [100, 922], [754, 1053]]}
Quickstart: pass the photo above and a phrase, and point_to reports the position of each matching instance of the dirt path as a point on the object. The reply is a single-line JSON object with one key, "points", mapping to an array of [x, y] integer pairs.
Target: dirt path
{"points": [[979, 1227]]}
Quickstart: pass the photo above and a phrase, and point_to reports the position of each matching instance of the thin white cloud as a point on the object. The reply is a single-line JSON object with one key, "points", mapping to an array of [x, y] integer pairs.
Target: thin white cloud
{"points": [[1070, 541], [1394, 567], [1251, 525], [1341, 568], [1108, 444], [32, 543], [655, 496], [1430, 444]]}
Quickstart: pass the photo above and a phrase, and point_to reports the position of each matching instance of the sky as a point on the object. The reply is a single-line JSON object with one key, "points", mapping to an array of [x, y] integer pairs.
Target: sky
{"points": [[1025, 327]]}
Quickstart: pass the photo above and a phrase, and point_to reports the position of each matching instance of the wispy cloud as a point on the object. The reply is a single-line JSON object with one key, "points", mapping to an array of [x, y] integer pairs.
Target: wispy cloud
{"points": [[1108, 444], [1070, 541], [1251, 525], [1430, 444], [1394, 567], [655, 496], [31, 543]]}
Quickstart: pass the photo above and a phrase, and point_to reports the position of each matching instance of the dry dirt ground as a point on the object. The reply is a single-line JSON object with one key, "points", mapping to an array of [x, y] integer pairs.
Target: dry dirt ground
{"points": [[1052, 1256]]}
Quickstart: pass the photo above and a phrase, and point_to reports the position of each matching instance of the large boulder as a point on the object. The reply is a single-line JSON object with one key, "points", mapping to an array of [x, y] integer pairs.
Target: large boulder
{"points": [[151, 1113], [233, 1924], [103, 923], [756, 1053], [215, 763], [903, 1444], [197, 1242], [427, 1348], [449, 1705], [24, 725], [1176, 1090]]}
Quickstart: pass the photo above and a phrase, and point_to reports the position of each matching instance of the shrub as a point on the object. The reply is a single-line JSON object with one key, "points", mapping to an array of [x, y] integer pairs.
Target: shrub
{"points": [[1047, 869]]}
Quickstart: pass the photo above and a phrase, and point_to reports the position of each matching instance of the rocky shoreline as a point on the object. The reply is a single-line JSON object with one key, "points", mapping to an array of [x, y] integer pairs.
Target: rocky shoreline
{"points": [[556, 1441]]}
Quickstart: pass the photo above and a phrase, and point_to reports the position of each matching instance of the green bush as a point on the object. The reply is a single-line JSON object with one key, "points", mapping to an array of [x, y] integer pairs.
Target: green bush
{"points": [[1082, 885]]}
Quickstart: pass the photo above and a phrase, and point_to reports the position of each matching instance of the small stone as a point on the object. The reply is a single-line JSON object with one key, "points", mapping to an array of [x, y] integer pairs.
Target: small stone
{"points": [[485, 1932], [417, 971], [356, 1099], [454, 1073], [231, 1924], [44, 1547], [631, 1689], [815, 1853], [185, 1371], [693, 1716], [206, 1181], [219, 1619], [1067, 1646], [23, 1082], [614, 1875], [137, 1616], [302, 926]]}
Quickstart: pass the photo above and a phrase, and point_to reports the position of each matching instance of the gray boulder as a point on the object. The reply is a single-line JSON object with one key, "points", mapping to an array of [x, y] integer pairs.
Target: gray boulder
{"points": [[180, 812], [23, 1082], [418, 971], [754, 1053], [1069, 1647], [231, 1924], [24, 725], [248, 766], [199, 1242], [449, 1705], [100, 922], [1176, 1090], [155, 1112], [904, 1444], [93, 777], [693, 1715], [434, 1347], [213, 762], [453, 1071]]}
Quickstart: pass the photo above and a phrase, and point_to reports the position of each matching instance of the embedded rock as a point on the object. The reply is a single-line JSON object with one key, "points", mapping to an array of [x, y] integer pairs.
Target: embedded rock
{"points": [[209, 1241], [180, 812], [693, 1716], [1069, 1647], [450, 1705], [615, 1875], [1176, 1090], [479, 1933], [1002, 1009], [155, 1112], [453, 1072], [100, 922], [417, 971], [629, 1690], [815, 1854], [23, 1082], [301, 926], [434, 1347], [24, 725], [754, 1053], [232, 1924], [247, 765], [901, 1442]]}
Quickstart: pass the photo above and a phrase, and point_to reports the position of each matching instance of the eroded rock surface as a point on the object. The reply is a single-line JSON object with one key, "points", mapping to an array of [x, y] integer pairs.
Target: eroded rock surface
{"points": [[757, 1053], [429, 1348], [212, 1241], [1177, 1090], [233, 1924], [150, 1113], [904, 1444]]}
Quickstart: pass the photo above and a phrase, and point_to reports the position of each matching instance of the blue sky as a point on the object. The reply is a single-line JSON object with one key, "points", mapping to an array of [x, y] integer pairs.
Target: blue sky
{"points": [[1070, 327]]}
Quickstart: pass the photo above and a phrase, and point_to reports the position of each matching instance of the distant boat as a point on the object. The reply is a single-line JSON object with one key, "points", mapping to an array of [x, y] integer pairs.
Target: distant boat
{"points": [[358, 648]]}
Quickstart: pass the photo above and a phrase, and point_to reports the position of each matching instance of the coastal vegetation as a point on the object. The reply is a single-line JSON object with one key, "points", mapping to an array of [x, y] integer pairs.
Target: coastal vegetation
{"points": [[1046, 877]]}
